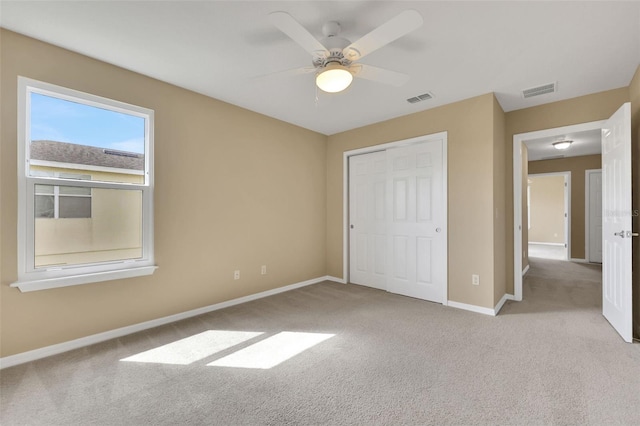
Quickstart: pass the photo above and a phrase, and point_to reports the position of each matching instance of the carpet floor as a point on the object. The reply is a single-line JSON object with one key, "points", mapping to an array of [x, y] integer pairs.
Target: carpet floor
{"points": [[376, 358]]}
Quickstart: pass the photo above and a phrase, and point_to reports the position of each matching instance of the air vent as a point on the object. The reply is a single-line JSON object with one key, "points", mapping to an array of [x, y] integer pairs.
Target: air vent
{"points": [[540, 90], [420, 98], [122, 153]]}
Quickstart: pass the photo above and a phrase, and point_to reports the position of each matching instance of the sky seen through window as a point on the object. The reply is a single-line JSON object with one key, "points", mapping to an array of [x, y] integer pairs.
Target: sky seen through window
{"points": [[60, 120]]}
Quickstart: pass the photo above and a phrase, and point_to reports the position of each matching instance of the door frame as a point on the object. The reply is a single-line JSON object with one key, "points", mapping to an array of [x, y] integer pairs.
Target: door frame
{"points": [[587, 211], [566, 195], [345, 197], [518, 139]]}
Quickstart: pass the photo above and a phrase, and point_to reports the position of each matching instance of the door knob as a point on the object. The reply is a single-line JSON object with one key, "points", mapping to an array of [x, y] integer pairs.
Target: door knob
{"points": [[619, 234], [438, 229], [351, 226]]}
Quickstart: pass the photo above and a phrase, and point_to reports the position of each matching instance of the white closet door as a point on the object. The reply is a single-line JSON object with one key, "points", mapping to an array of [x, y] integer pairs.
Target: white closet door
{"points": [[367, 233], [415, 210]]}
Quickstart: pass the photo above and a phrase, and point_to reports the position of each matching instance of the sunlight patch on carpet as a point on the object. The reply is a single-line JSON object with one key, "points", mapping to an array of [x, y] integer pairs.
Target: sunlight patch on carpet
{"points": [[193, 348], [272, 351]]}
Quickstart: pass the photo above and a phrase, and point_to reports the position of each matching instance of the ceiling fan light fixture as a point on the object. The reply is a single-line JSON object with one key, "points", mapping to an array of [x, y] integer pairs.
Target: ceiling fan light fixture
{"points": [[334, 78], [562, 144]]}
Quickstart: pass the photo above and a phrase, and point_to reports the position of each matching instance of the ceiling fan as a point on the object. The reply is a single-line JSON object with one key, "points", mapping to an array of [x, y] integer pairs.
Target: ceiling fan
{"points": [[335, 59]]}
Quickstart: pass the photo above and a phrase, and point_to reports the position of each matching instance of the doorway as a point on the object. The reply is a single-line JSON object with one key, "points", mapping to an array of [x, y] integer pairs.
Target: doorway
{"points": [[549, 215], [395, 217], [520, 169], [615, 146]]}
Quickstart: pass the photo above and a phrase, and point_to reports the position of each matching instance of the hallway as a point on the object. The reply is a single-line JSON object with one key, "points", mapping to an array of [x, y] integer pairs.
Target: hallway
{"points": [[557, 285]]}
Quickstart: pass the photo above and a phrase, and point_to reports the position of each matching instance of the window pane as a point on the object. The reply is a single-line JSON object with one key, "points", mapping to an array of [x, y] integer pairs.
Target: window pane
{"points": [[44, 205], [113, 232], [44, 189], [74, 190], [74, 207], [106, 145]]}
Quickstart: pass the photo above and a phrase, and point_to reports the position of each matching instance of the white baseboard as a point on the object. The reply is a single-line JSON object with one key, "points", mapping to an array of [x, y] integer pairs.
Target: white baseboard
{"points": [[472, 308], [502, 302], [337, 280], [525, 270], [480, 309], [21, 358], [546, 244]]}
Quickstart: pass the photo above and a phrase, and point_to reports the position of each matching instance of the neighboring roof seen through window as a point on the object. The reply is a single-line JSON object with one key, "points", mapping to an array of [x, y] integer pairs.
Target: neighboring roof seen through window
{"points": [[62, 152]]}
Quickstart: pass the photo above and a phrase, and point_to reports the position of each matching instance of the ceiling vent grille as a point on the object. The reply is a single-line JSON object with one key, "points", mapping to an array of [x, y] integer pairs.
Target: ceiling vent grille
{"points": [[420, 98], [540, 90]]}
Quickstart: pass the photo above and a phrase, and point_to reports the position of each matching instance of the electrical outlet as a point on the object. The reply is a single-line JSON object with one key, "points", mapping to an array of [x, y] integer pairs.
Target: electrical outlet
{"points": [[236, 275], [475, 279], [263, 270]]}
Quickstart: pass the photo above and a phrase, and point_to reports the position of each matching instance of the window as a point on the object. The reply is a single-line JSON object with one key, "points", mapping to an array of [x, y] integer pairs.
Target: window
{"points": [[85, 191]]}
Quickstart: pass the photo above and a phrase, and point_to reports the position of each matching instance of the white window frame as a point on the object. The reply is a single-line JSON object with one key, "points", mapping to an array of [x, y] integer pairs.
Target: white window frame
{"points": [[31, 278]]}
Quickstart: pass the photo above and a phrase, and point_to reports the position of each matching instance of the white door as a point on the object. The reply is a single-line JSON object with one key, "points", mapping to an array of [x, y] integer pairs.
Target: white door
{"points": [[367, 233], [594, 227], [415, 209], [616, 227]]}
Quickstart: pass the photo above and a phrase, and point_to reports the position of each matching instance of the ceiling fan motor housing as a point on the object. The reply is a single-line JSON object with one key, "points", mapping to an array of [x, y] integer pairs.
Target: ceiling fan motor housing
{"points": [[335, 46]]}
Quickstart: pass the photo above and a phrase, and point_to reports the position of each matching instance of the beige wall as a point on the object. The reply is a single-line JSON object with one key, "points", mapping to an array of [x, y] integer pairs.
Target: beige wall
{"points": [[470, 127], [546, 208], [230, 186], [577, 166], [583, 109], [634, 96]]}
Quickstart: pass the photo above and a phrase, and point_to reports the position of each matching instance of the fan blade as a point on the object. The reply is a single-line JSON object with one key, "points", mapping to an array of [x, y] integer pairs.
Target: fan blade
{"points": [[391, 30], [285, 23], [287, 73], [379, 75]]}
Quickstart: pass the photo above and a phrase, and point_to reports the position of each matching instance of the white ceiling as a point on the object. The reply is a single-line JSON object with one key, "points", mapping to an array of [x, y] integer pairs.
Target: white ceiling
{"points": [[584, 143], [464, 49]]}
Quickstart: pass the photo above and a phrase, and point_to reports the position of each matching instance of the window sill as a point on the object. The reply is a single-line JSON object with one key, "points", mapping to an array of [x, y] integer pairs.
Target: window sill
{"points": [[44, 284]]}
